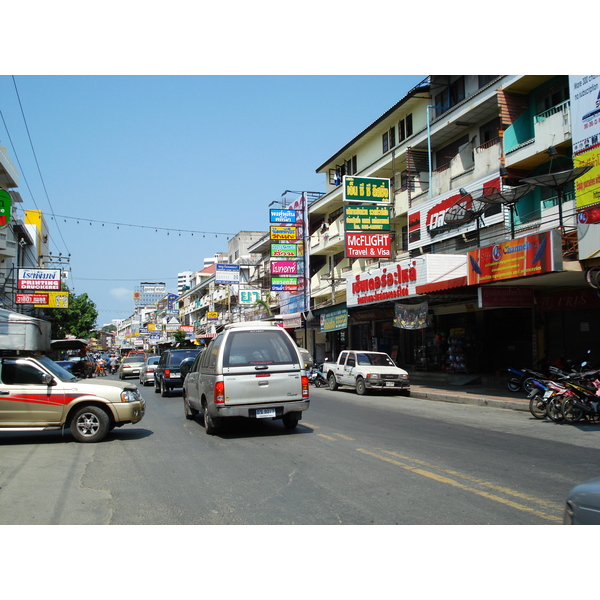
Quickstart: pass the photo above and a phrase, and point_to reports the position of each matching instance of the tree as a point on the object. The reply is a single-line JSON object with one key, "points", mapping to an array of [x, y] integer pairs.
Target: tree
{"points": [[179, 336], [78, 320]]}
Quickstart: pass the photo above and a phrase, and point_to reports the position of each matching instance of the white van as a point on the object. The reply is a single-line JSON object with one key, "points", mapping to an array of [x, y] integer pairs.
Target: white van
{"points": [[251, 369]]}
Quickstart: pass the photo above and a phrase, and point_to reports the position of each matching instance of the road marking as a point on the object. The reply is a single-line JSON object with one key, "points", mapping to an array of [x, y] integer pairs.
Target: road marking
{"points": [[327, 437], [344, 437], [461, 486], [493, 486], [309, 425]]}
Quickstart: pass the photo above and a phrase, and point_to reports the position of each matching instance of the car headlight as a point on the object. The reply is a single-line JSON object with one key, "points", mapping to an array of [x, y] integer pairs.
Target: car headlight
{"points": [[372, 375], [130, 396]]}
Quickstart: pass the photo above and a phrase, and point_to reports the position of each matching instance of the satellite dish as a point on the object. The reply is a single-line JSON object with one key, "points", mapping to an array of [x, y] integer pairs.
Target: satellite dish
{"points": [[464, 210], [506, 195]]}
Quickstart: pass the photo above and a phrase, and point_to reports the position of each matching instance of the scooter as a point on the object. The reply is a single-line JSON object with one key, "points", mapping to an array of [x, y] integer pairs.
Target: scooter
{"points": [[316, 377]]}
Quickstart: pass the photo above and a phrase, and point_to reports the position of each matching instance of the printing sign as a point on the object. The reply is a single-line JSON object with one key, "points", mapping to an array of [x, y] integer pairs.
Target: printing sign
{"points": [[39, 279]]}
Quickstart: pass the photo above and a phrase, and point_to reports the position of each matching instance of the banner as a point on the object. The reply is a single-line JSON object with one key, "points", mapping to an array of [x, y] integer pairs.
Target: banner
{"points": [[411, 316], [39, 279], [367, 218], [366, 189]]}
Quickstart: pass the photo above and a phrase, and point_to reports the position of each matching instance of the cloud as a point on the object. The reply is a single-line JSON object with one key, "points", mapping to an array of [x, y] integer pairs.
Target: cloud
{"points": [[122, 294]]}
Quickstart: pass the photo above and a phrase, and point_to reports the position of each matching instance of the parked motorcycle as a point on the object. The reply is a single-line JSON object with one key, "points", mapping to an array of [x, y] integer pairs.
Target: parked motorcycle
{"points": [[316, 377], [523, 379], [544, 392], [583, 401]]}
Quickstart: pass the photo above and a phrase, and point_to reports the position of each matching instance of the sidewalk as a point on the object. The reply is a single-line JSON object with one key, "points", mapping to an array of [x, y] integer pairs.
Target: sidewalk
{"points": [[479, 390]]}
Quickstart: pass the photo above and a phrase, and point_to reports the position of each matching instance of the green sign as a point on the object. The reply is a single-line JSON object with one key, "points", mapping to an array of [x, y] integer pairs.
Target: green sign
{"points": [[336, 320], [366, 189], [5, 204], [367, 218]]}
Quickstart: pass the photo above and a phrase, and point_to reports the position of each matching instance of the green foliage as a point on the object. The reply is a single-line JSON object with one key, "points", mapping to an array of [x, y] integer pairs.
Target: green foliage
{"points": [[179, 336], [78, 320]]}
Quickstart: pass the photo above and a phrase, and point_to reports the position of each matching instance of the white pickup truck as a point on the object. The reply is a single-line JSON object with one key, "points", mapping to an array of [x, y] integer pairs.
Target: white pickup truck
{"points": [[366, 370]]}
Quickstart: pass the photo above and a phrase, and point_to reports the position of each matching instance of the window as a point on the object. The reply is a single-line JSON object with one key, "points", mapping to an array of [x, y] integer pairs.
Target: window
{"points": [[20, 372], [385, 142], [351, 362], [405, 128], [392, 137]]}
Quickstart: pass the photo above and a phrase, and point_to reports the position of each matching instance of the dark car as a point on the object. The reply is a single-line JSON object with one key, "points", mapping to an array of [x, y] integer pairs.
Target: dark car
{"points": [[82, 366], [167, 375]]}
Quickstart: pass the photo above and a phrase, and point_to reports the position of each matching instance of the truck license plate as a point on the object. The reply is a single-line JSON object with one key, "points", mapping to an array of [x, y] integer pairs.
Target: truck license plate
{"points": [[265, 413], [389, 383]]}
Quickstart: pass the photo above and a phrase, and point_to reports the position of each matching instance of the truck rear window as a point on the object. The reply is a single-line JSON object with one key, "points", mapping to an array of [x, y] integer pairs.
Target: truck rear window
{"points": [[255, 348]]}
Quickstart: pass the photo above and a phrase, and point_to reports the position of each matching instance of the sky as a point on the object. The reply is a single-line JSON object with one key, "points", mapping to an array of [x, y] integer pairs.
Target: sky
{"points": [[142, 177]]}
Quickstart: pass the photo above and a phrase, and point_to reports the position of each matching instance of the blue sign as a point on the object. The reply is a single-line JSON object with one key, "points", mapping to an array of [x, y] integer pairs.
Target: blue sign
{"points": [[227, 273], [284, 216]]}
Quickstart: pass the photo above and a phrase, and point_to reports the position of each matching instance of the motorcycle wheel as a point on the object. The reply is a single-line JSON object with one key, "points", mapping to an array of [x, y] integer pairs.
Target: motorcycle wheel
{"points": [[318, 382], [571, 412], [514, 384], [537, 406], [554, 409], [528, 385]]}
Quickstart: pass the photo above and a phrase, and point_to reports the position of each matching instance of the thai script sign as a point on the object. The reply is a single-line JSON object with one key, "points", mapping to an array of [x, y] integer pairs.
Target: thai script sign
{"points": [[521, 257], [5, 207], [39, 279], [505, 296], [285, 216], [31, 298], [286, 267], [284, 233], [55, 300], [367, 218], [368, 245], [366, 189], [284, 250], [284, 284], [227, 274]]}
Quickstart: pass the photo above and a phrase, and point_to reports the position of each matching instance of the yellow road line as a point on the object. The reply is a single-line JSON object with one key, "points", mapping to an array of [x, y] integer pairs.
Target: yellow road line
{"points": [[461, 486], [327, 437], [309, 425], [344, 437], [493, 486]]}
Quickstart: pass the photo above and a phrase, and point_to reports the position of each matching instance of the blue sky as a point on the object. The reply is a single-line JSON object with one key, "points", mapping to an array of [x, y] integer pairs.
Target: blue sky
{"points": [[202, 153]]}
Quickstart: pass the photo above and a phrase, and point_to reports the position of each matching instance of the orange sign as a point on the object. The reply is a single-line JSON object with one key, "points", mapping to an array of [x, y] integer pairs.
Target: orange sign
{"points": [[522, 257]]}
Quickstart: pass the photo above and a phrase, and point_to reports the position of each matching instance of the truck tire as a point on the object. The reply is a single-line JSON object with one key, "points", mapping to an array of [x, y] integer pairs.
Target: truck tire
{"points": [[332, 382], [361, 386], [210, 425], [290, 420], [156, 386], [89, 424]]}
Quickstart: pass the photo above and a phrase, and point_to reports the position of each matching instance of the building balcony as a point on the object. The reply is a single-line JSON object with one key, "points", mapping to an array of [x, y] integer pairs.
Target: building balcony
{"points": [[329, 239]]}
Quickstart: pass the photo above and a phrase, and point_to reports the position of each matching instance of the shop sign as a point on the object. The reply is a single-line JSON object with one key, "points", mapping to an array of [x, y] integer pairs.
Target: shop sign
{"points": [[55, 300], [574, 300], [286, 267], [284, 233], [400, 280], [227, 274], [249, 297], [187, 328], [498, 297], [284, 284], [284, 216], [5, 207], [366, 189], [39, 279], [212, 316], [31, 298], [521, 257], [284, 250], [367, 218], [368, 245], [334, 320]]}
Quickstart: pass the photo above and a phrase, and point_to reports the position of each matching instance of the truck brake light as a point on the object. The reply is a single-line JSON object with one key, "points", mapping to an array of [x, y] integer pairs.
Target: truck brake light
{"points": [[305, 387], [167, 373], [219, 397]]}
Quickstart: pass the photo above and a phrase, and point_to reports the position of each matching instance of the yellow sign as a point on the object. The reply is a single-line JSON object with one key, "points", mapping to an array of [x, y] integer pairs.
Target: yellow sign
{"points": [[212, 315], [56, 300]]}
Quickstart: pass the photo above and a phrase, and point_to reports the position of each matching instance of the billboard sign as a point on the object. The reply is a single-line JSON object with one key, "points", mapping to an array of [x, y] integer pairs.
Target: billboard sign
{"points": [[285, 216], [530, 255], [39, 279], [367, 218], [366, 189], [284, 284], [368, 245], [284, 250], [285, 233]]}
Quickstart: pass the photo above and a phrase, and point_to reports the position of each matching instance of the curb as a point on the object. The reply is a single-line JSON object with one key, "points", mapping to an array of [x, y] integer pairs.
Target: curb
{"points": [[476, 400]]}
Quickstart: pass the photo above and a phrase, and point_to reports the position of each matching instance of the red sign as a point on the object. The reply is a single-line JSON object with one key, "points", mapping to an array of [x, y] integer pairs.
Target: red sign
{"points": [[31, 298], [505, 296], [368, 245]]}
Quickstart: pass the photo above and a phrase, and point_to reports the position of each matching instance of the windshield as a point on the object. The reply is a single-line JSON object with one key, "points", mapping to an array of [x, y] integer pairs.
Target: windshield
{"points": [[133, 359], [377, 360], [56, 370], [153, 360], [175, 358]]}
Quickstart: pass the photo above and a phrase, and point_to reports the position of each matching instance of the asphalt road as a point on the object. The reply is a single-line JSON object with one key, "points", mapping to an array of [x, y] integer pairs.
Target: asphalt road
{"points": [[379, 459]]}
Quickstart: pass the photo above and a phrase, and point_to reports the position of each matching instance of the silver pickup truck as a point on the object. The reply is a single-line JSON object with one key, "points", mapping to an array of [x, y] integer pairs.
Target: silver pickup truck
{"points": [[366, 371]]}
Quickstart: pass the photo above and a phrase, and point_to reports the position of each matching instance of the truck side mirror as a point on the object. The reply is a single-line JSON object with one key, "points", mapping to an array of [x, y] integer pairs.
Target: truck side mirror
{"points": [[47, 379]]}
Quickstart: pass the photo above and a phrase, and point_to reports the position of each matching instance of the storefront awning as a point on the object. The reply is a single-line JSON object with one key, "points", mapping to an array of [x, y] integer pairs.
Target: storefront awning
{"points": [[439, 286]]}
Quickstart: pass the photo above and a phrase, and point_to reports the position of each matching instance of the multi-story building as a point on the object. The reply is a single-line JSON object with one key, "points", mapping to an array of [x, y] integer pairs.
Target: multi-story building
{"points": [[434, 298]]}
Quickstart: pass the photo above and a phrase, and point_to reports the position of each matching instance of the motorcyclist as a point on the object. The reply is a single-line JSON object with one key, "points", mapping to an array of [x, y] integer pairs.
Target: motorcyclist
{"points": [[113, 363]]}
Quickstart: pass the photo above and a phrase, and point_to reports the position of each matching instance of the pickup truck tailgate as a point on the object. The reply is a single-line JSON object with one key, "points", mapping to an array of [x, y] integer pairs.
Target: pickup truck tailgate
{"points": [[252, 385]]}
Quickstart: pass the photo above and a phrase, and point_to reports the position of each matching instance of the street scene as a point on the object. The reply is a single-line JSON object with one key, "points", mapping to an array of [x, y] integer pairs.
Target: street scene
{"points": [[347, 331]]}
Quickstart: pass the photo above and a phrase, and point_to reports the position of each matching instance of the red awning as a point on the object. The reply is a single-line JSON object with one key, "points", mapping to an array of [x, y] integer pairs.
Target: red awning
{"points": [[439, 286]]}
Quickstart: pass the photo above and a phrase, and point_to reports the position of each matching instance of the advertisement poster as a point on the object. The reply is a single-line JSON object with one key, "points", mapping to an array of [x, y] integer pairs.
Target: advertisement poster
{"points": [[411, 316], [367, 218], [521, 257], [39, 279], [335, 320]]}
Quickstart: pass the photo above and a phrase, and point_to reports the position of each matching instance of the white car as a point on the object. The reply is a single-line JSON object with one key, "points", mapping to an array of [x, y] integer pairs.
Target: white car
{"points": [[147, 370], [366, 371]]}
